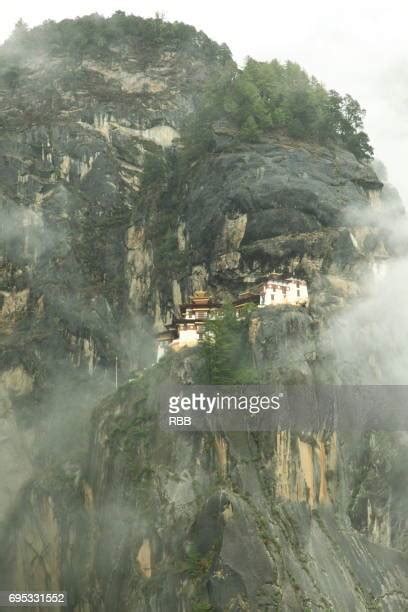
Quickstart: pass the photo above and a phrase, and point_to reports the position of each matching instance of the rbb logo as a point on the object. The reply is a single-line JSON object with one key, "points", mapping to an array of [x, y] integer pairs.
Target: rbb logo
{"points": [[180, 420]]}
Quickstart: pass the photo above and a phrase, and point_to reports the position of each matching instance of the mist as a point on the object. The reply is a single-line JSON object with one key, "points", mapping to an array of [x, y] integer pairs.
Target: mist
{"points": [[369, 335]]}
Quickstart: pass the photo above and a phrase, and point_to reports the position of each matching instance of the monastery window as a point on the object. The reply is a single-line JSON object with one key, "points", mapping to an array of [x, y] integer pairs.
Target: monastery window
{"points": [[298, 292]]}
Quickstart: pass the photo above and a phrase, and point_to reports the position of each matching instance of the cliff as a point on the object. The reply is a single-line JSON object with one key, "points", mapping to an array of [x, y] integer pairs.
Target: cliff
{"points": [[107, 227]]}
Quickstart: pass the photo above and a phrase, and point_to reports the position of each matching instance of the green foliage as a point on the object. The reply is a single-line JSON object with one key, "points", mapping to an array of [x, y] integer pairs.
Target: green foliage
{"points": [[160, 170], [250, 131], [94, 36], [267, 96], [160, 187], [226, 351], [196, 564], [20, 30], [197, 135], [11, 76], [202, 607]]}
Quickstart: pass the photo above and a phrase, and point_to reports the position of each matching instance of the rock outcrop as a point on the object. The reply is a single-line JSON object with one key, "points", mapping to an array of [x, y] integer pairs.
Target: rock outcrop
{"points": [[98, 251]]}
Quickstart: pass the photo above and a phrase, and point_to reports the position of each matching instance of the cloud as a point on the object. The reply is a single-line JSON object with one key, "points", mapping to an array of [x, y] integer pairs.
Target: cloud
{"points": [[368, 337]]}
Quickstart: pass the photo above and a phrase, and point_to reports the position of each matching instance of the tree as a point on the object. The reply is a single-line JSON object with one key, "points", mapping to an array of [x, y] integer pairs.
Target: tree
{"points": [[226, 351], [353, 113], [11, 77], [359, 144], [249, 130], [20, 30]]}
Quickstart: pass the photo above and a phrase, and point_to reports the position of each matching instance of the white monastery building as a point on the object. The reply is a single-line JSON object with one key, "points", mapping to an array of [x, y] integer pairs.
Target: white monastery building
{"points": [[289, 291], [187, 329]]}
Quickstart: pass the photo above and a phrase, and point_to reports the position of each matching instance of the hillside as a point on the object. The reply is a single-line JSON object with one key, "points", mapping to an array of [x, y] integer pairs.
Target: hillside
{"points": [[125, 186]]}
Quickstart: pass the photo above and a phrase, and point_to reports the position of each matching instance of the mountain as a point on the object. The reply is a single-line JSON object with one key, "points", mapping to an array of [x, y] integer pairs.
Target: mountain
{"points": [[122, 193]]}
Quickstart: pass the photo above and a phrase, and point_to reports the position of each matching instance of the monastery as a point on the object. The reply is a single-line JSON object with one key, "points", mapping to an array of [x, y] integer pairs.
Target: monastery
{"points": [[187, 329]]}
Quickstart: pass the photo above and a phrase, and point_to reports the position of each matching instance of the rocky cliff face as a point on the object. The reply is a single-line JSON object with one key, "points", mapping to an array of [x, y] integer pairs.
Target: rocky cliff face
{"points": [[98, 252], [73, 267]]}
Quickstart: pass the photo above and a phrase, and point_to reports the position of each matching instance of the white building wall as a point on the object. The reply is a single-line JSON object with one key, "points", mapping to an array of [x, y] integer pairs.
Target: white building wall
{"points": [[162, 348], [291, 291], [297, 292], [187, 337]]}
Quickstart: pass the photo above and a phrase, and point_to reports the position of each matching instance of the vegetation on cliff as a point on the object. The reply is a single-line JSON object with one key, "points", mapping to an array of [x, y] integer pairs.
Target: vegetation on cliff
{"points": [[115, 229], [94, 36], [270, 96], [225, 350], [264, 97]]}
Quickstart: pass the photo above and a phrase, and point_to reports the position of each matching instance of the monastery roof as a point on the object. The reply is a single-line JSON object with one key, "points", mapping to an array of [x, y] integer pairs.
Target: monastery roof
{"points": [[200, 302], [282, 282], [190, 321]]}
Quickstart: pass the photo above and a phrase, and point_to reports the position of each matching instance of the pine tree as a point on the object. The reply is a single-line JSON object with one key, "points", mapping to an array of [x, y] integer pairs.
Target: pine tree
{"points": [[226, 351], [20, 29]]}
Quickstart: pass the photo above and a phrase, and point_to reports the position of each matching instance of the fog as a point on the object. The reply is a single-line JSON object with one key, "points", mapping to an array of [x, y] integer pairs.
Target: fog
{"points": [[368, 336]]}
